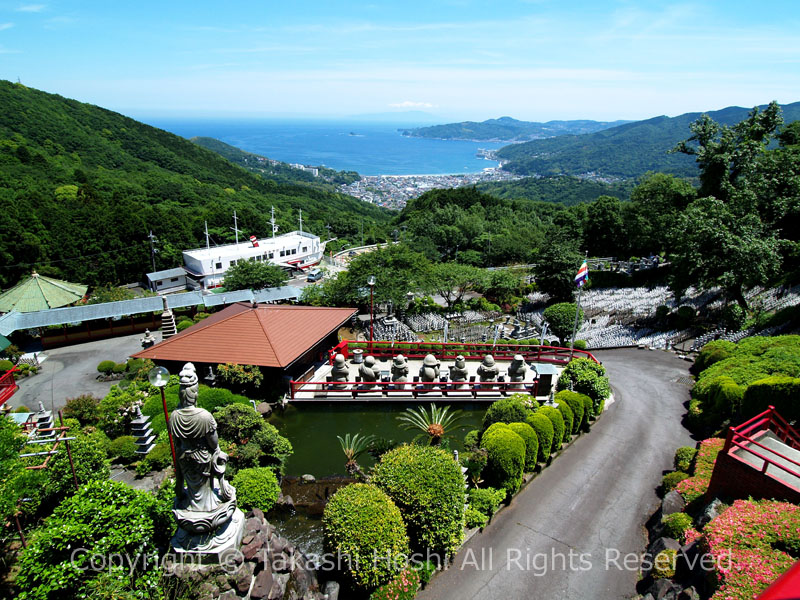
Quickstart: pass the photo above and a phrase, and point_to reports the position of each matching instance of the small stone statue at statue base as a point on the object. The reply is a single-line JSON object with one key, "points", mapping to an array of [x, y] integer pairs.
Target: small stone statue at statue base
{"points": [[148, 339], [368, 372], [458, 372], [517, 369], [209, 523], [488, 369], [429, 371], [340, 371], [400, 369]]}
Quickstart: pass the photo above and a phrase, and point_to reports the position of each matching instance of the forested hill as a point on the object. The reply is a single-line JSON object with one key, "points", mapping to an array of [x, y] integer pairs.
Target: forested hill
{"points": [[562, 189], [82, 186], [507, 129], [626, 151]]}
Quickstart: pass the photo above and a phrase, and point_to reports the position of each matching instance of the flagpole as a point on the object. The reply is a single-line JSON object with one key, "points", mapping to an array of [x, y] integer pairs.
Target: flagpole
{"points": [[577, 312]]}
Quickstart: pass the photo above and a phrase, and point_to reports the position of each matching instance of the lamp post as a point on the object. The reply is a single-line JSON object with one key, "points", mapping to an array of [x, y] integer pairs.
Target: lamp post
{"points": [[371, 284], [159, 377]]}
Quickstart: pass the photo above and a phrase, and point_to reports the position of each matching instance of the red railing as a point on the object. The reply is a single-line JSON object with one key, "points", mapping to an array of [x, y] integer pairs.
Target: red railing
{"points": [[7, 385], [449, 351], [417, 389], [740, 438]]}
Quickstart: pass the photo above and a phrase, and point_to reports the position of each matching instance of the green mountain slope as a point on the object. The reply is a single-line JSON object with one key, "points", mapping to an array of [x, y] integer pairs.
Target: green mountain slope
{"points": [[508, 130], [625, 151], [562, 190], [82, 186]]}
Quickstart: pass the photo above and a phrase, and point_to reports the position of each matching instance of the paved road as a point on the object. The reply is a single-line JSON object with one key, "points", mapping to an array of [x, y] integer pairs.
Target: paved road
{"points": [[589, 504], [72, 370]]}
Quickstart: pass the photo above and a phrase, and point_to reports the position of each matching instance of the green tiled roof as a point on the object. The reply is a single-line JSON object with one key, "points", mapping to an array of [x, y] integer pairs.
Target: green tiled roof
{"points": [[40, 293]]}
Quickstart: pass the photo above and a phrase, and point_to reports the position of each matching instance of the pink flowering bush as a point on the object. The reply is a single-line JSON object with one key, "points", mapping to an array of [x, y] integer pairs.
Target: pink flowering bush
{"points": [[402, 587], [697, 485], [749, 543]]}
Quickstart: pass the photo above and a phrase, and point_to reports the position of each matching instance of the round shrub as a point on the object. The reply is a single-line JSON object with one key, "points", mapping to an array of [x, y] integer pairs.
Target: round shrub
{"points": [[505, 458], [256, 488], [579, 345], [507, 410], [472, 439], [575, 402], [6, 365], [134, 364], [664, 563], [568, 415], [159, 458], [780, 391], [684, 456], [106, 366], [531, 439], [670, 481], [84, 408], [545, 432], [21, 409], [123, 449], [711, 353], [588, 411], [557, 420], [427, 486], [561, 318], [585, 376], [474, 518], [119, 368], [183, 325], [360, 521], [676, 524]]}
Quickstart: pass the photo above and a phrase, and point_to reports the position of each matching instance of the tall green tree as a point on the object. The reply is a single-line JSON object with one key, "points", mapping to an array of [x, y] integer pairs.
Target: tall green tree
{"points": [[254, 275], [556, 267], [452, 281]]}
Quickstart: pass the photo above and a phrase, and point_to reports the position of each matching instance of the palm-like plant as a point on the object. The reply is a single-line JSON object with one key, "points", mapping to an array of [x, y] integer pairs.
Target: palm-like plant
{"points": [[434, 424], [353, 447]]}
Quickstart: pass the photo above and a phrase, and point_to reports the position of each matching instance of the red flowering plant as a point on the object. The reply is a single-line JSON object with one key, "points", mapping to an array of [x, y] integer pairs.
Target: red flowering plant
{"points": [[697, 485], [402, 587], [752, 544]]}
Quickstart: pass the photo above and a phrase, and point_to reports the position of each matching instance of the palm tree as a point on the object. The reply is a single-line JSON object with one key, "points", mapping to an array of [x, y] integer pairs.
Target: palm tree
{"points": [[353, 447], [435, 425]]}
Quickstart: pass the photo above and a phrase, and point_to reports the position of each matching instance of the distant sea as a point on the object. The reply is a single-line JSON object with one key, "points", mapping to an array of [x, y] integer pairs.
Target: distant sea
{"points": [[367, 147]]}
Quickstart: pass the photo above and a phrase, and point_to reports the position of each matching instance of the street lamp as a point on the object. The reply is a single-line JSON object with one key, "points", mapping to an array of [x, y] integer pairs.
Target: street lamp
{"points": [[159, 377], [371, 284]]}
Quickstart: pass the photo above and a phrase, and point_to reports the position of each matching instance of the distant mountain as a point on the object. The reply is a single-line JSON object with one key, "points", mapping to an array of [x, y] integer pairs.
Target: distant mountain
{"points": [[506, 129], [625, 151]]}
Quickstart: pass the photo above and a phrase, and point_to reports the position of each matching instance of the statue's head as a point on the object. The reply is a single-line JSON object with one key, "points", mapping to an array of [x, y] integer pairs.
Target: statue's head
{"points": [[488, 361], [518, 360], [400, 360], [369, 361], [338, 361], [430, 361], [461, 362], [189, 384]]}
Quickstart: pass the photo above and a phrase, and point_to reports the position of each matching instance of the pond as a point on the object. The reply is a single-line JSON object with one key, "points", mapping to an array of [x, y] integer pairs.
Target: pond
{"points": [[312, 428]]}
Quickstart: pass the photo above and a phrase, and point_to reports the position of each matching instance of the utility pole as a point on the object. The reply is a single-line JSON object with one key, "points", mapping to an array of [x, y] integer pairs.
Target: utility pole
{"points": [[272, 221], [153, 249], [236, 227], [301, 220]]}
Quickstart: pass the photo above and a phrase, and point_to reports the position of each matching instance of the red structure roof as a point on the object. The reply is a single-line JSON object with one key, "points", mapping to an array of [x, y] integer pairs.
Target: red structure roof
{"points": [[266, 335]]}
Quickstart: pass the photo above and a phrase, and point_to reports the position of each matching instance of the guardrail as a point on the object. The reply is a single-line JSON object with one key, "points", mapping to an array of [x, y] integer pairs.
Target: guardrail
{"points": [[417, 389], [7, 385]]}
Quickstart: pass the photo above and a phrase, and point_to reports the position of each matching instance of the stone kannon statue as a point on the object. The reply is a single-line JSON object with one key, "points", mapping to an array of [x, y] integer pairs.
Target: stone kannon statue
{"points": [[517, 369], [458, 372], [488, 370], [340, 371], [148, 339], [209, 523], [400, 369], [429, 371], [368, 371]]}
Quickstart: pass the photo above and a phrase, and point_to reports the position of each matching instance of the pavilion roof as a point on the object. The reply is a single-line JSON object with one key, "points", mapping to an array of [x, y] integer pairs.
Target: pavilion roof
{"points": [[38, 292]]}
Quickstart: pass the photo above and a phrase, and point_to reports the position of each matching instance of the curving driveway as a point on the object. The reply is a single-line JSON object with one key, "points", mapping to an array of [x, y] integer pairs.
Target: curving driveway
{"points": [[567, 534]]}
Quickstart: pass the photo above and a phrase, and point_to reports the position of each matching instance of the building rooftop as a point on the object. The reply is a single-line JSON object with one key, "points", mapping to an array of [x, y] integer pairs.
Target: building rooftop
{"points": [[245, 247], [165, 274], [40, 293]]}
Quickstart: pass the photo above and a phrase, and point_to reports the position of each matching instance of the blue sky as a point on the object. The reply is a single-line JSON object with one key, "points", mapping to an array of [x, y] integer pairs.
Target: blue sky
{"points": [[535, 59]]}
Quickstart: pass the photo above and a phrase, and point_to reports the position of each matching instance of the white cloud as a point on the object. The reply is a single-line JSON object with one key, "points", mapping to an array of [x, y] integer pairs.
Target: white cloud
{"points": [[4, 26], [35, 8], [410, 104]]}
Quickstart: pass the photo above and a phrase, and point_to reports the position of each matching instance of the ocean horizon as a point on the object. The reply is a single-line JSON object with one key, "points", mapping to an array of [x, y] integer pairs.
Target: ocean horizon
{"points": [[370, 148]]}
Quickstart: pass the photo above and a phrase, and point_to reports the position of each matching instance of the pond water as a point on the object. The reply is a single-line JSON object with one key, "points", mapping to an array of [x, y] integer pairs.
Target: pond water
{"points": [[312, 428]]}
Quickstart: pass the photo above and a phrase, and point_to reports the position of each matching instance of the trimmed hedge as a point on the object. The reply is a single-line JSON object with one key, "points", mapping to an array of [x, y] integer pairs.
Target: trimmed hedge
{"points": [[676, 524], [6, 365], [567, 414], [507, 410], [711, 353], [427, 486], [684, 457], [575, 402], [474, 518], [486, 500], [256, 488], [360, 521], [557, 420], [545, 432], [588, 411], [671, 480], [123, 449], [531, 439], [106, 366], [779, 391], [506, 458]]}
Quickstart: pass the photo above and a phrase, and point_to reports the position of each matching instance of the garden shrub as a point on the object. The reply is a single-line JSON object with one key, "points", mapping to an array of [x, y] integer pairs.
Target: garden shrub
{"points": [[134, 365], [486, 500], [474, 462], [684, 456], [6, 365], [670, 481], [697, 485], [200, 316], [118, 408], [531, 439], [255, 443], [159, 458], [472, 439], [21, 409], [123, 449], [575, 402], [664, 564], [780, 391], [754, 543], [579, 345], [427, 486], [545, 432], [213, 398], [474, 518], [588, 411], [89, 458], [506, 458], [404, 586], [182, 325], [119, 368], [586, 377], [240, 377], [425, 570], [561, 318], [360, 521], [106, 366], [256, 488], [85, 408], [514, 409], [676, 524], [557, 420], [105, 518], [711, 353], [567, 414]]}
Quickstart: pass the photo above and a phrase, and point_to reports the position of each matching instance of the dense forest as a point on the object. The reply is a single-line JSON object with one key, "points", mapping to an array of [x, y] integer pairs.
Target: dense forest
{"points": [[626, 151], [508, 129], [82, 187], [564, 190]]}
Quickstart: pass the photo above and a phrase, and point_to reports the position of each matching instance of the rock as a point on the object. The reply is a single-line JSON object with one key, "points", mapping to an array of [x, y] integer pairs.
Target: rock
{"points": [[264, 409], [257, 513], [689, 594], [663, 589], [299, 582], [262, 585], [331, 590], [250, 551], [229, 595], [307, 478], [709, 513], [663, 543], [252, 525], [288, 502], [673, 502], [278, 587], [244, 577]]}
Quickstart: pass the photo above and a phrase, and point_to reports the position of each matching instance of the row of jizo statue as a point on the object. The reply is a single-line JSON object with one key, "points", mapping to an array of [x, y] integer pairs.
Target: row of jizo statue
{"points": [[488, 370]]}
